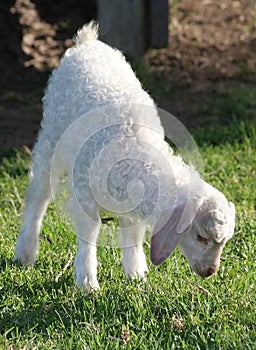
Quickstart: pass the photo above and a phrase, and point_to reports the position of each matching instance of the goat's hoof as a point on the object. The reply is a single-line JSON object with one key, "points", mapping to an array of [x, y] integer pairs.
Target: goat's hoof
{"points": [[139, 275], [90, 287], [25, 259]]}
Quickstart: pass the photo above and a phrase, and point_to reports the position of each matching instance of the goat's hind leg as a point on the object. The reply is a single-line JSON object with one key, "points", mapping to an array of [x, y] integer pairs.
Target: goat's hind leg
{"points": [[38, 196]]}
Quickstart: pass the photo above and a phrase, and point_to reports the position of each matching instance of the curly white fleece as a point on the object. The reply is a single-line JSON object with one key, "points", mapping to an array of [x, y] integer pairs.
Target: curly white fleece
{"points": [[98, 117]]}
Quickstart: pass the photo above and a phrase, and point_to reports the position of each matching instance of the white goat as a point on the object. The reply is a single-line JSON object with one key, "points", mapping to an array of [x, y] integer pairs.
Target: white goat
{"points": [[97, 117]]}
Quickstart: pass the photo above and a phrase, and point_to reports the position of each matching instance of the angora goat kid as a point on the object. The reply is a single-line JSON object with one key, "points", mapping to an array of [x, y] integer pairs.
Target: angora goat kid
{"points": [[102, 129]]}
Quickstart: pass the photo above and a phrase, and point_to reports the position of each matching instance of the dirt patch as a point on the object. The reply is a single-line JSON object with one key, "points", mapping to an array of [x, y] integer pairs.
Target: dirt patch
{"points": [[210, 40], [212, 48], [35, 35]]}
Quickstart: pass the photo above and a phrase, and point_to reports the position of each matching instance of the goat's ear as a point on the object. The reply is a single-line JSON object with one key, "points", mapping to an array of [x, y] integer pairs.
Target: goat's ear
{"points": [[166, 235]]}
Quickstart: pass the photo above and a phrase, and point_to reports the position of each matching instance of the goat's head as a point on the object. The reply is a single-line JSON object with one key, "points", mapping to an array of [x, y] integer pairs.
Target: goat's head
{"points": [[202, 240]]}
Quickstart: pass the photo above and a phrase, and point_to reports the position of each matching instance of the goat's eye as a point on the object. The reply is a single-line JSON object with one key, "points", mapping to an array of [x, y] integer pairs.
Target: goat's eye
{"points": [[202, 239]]}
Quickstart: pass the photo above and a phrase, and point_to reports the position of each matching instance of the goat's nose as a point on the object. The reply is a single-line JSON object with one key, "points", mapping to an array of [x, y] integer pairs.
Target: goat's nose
{"points": [[212, 270]]}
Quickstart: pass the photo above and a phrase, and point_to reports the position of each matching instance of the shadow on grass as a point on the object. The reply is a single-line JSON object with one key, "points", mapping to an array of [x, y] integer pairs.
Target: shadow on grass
{"points": [[52, 305], [229, 118], [33, 313]]}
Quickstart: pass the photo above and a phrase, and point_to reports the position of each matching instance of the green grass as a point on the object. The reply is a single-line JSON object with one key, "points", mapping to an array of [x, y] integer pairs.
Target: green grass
{"points": [[229, 117], [174, 309]]}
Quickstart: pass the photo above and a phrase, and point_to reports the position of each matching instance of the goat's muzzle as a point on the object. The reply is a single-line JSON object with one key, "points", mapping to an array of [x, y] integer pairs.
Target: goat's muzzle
{"points": [[208, 272]]}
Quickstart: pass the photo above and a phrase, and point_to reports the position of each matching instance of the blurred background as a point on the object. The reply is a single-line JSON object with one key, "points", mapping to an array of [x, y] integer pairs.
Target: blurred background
{"points": [[183, 52]]}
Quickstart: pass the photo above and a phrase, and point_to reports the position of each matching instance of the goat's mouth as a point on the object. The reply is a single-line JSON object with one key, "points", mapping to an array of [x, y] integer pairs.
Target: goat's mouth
{"points": [[196, 268]]}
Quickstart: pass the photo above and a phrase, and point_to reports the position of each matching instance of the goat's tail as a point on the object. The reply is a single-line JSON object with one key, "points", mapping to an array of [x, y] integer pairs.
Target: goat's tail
{"points": [[89, 32]]}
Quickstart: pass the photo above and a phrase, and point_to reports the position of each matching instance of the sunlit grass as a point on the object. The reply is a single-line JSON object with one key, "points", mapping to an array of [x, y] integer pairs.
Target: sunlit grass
{"points": [[174, 309]]}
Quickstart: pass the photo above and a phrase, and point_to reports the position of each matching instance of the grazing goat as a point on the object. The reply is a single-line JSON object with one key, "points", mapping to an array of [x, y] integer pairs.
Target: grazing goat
{"points": [[102, 129]]}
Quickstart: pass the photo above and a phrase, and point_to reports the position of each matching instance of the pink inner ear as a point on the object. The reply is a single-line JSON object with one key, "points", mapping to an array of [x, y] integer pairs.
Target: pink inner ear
{"points": [[162, 247], [165, 237]]}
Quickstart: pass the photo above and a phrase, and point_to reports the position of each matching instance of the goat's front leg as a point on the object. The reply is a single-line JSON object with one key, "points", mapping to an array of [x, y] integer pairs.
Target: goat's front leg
{"points": [[86, 258], [86, 262], [131, 238]]}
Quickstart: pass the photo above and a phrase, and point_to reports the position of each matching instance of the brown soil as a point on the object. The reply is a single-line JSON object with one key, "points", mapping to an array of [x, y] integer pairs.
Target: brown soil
{"points": [[212, 48]]}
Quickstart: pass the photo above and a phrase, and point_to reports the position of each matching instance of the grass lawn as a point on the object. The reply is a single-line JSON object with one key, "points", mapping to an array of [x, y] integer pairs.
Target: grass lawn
{"points": [[41, 308]]}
